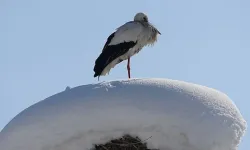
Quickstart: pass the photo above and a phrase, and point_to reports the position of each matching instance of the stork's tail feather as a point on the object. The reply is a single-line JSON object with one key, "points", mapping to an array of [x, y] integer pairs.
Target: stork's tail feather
{"points": [[96, 74], [100, 65], [98, 71]]}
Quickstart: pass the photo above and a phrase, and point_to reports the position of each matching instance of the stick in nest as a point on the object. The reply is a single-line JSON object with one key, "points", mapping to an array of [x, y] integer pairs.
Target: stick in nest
{"points": [[126, 142]]}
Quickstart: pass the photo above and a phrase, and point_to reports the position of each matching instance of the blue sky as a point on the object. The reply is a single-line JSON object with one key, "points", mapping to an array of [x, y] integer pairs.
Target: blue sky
{"points": [[47, 45]]}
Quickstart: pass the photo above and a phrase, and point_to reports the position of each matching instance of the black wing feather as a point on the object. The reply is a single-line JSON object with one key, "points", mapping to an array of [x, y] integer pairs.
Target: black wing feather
{"points": [[110, 53], [108, 40]]}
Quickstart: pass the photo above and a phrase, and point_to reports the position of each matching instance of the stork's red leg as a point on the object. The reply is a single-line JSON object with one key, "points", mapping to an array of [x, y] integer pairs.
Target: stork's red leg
{"points": [[128, 67]]}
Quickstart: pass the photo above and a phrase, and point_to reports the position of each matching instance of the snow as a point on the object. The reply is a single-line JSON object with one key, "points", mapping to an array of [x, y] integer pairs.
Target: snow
{"points": [[178, 115]]}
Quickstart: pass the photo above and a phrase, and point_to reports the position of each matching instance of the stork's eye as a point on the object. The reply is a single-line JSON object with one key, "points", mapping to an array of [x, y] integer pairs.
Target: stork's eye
{"points": [[145, 19]]}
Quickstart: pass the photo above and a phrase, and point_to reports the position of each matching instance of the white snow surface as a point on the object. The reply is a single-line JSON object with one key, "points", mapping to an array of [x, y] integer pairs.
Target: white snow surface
{"points": [[178, 115]]}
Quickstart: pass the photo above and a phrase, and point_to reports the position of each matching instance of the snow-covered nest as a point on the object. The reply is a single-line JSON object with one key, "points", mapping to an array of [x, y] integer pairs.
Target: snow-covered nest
{"points": [[175, 114], [126, 142]]}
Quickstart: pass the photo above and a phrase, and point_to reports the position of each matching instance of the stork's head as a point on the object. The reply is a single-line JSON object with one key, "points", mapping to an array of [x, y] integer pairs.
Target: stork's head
{"points": [[141, 17]]}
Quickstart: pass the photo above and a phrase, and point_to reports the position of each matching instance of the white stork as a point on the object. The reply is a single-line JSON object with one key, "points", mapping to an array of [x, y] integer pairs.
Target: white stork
{"points": [[128, 40]]}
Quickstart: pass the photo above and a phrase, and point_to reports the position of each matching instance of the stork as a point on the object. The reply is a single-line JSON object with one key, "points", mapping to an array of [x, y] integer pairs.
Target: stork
{"points": [[125, 42]]}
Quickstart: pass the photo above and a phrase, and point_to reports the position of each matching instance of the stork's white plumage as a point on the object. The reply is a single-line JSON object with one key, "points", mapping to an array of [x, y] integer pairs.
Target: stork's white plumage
{"points": [[127, 41]]}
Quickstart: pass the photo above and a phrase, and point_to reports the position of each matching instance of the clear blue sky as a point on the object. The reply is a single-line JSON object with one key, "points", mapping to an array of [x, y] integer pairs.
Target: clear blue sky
{"points": [[47, 45]]}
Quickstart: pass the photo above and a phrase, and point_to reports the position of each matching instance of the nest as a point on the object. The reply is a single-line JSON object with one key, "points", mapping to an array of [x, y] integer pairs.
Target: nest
{"points": [[126, 142]]}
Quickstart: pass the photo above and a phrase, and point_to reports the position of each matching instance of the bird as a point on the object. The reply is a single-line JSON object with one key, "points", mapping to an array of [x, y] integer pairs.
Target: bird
{"points": [[128, 40]]}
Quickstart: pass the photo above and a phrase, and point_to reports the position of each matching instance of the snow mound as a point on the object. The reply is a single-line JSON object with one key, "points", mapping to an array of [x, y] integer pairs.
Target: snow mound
{"points": [[178, 115]]}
